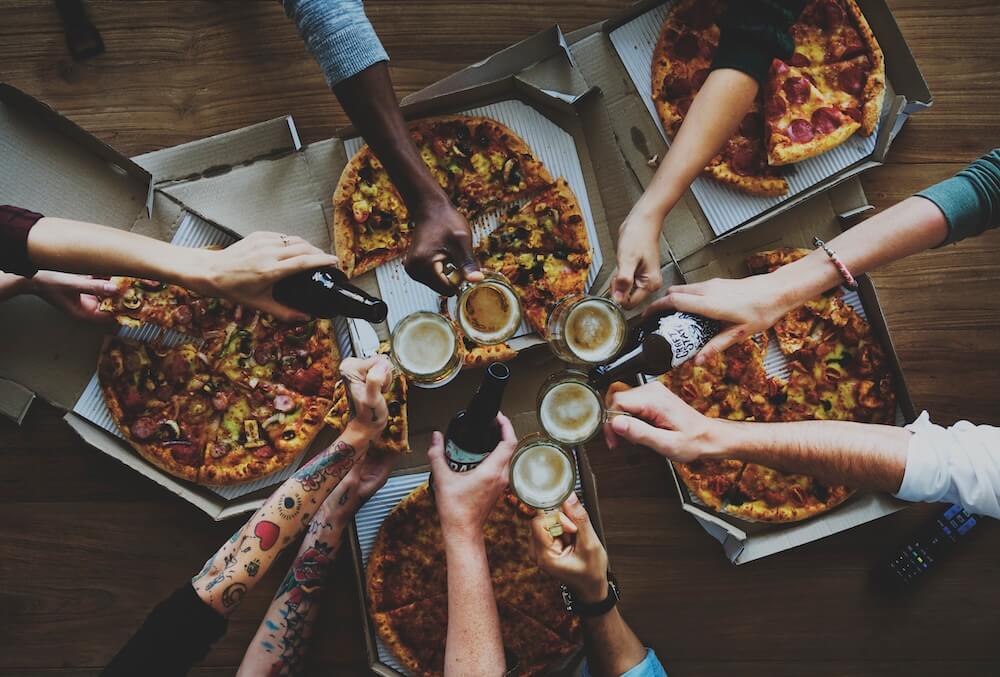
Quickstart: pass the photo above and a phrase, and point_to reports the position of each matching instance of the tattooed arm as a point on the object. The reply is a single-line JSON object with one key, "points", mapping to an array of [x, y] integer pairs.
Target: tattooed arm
{"points": [[279, 647], [246, 557]]}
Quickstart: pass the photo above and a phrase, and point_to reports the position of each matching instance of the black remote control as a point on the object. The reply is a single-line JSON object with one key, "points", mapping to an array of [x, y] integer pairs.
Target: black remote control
{"points": [[929, 545]]}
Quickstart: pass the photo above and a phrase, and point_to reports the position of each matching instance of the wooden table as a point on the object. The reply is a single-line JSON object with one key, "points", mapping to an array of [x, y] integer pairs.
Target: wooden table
{"points": [[89, 546]]}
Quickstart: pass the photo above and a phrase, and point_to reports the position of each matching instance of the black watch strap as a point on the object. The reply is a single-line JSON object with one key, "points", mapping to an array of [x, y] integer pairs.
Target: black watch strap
{"points": [[592, 610]]}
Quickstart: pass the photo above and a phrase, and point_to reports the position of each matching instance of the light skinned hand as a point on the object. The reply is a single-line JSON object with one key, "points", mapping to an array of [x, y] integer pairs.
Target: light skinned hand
{"points": [[441, 235], [661, 421], [638, 272], [747, 306], [367, 380], [76, 295], [360, 484], [245, 271], [466, 499], [576, 559]]}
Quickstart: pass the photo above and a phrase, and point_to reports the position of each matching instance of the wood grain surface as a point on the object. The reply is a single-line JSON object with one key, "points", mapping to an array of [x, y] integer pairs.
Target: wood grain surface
{"points": [[87, 546]]}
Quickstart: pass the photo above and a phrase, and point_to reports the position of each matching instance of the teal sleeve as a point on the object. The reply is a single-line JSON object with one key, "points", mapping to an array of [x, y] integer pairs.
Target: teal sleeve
{"points": [[649, 666], [753, 33], [970, 200]]}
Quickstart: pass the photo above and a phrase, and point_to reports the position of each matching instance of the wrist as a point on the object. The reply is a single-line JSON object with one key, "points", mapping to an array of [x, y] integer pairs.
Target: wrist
{"points": [[802, 280], [427, 199], [463, 537], [194, 269], [361, 433], [591, 592]]}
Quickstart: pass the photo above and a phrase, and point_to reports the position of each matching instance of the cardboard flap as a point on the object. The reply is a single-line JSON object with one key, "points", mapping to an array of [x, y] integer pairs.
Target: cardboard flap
{"points": [[217, 154], [15, 400]]}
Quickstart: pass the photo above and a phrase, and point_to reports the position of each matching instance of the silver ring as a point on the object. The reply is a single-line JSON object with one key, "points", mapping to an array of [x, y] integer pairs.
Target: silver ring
{"points": [[284, 240]]}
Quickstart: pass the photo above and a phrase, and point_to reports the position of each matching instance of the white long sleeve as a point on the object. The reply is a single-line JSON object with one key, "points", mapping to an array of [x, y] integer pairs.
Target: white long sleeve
{"points": [[960, 464]]}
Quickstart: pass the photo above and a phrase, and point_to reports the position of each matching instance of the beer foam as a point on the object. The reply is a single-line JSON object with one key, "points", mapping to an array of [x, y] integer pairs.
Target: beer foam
{"points": [[542, 476], [489, 313], [594, 331], [424, 345], [570, 412]]}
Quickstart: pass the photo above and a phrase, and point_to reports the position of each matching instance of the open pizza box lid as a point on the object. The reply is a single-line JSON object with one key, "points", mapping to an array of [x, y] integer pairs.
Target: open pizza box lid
{"points": [[427, 414], [822, 216], [615, 56]]}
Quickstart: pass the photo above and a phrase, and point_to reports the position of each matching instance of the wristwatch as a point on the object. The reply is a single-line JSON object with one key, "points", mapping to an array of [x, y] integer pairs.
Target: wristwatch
{"points": [[598, 609]]}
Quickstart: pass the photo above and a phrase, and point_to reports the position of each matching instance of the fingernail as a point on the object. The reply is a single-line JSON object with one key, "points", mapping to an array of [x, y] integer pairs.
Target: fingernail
{"points": [[573, 499], [109, 287], [619, 424]]}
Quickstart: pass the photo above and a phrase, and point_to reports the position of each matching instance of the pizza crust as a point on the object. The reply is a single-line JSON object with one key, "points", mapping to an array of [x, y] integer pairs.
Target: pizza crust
{"points": [[874, 93], [783, 151]]}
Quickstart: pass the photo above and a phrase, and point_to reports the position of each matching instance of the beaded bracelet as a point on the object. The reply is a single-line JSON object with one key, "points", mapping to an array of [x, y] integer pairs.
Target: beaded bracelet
{"points": [[849, 280]]}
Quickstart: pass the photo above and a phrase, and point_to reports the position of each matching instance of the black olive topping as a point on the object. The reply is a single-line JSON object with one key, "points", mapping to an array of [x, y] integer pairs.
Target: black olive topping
{"points": [[288, 434], [827, 405]]}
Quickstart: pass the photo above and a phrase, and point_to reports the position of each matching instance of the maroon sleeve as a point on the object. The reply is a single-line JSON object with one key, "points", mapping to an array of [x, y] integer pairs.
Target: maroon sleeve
{"points": [[15, 224]]}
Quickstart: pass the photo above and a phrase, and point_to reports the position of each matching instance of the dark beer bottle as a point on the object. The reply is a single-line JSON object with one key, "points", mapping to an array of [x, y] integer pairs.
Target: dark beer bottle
{"points": [[325, 292], [658, 344], [474, 432]]}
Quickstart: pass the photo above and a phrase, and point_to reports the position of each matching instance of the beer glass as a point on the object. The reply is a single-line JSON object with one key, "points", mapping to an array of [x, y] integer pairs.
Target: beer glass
{"points": [[586, 330], [569, 409], [489, 312], [425, 347], [543, 475]]}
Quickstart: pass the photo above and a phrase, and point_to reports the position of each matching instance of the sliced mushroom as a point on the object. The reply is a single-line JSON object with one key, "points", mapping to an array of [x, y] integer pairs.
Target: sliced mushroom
{"points": [[132, 299], [171, 428]]}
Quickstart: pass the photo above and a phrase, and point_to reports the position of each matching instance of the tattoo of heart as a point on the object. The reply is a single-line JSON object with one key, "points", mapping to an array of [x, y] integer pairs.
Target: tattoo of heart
{"points": [[252, 567], [289, 506], [267, 532], [233, 595], [335, 463]]}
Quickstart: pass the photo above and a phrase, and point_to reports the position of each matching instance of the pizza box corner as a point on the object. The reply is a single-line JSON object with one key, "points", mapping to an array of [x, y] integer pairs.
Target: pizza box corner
{"points": [[615, 55]]}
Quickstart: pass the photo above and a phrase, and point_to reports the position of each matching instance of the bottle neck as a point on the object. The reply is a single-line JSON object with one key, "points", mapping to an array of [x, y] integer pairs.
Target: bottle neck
{"points": [[486, 402], [652, 356]]}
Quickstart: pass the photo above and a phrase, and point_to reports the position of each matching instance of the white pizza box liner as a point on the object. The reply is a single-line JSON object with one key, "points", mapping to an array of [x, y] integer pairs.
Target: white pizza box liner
{"points": [[192, 232], [368, 521], [724, 207], [557, 151]]}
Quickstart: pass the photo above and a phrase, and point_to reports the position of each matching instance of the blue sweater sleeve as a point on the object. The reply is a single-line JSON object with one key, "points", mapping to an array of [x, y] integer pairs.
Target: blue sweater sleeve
{"points": [[338, 35], [970, 200], [649, 666]]}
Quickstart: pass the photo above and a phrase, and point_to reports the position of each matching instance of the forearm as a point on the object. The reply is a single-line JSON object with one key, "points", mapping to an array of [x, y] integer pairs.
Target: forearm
{"points": [[370, 102], [838, 452], [279, 646], [714, 115], [612, 648], [246, 557], [911, 226], [474, 645], [88, 248]]}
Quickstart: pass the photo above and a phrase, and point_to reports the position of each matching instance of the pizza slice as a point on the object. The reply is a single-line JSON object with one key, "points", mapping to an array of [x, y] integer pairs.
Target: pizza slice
{"points": [[550, 222], [138, 301], [396, 435], [416, 634], [767, 495], [473, 354], [508, 539], [536, 594], [537, 648], [802, 121], [710, 480]]}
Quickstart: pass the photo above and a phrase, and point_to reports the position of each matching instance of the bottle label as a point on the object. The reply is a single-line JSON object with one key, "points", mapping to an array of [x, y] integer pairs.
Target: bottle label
{"points": [[459, 459], [686, 334]]}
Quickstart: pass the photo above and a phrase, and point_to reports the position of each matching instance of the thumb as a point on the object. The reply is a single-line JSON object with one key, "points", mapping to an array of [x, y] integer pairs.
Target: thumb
{"points": [[460, 250], [720, 342], [574, 510], [639, 432], [436, 455], [621, 284], [83, 284]]}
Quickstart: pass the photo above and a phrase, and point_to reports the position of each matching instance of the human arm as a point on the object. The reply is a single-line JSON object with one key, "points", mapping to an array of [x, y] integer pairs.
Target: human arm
{"points": [[964, 205], [474, 645], [281, 641], [578, 560], [752, 33], [342, 40], [245, 558]]}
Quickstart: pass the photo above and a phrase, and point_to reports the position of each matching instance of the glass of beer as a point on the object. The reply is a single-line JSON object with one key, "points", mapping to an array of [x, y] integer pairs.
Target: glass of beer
{"points": [[570, 410], [587, 329], [543, 475], [425, 347], [489, 311]]}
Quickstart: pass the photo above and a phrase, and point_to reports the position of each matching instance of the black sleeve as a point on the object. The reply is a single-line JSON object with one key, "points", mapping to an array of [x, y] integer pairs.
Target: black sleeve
{"points": [[753, 33], [176, 635]]}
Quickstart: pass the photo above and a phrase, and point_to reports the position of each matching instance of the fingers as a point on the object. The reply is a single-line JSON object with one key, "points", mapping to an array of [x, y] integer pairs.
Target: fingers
{"points": [[621, 283], [573, 509], [460, 249], [83, 284], [721, 342], [543, 541], [637, 431], [305, 261], [499, 460], [428, 271], [436, 456], [283, 313]]}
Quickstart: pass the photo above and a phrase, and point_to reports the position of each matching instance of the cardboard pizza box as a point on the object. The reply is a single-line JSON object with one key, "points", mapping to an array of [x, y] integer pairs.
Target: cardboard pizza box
{"points": [[822, 216], [614, 55], [529, 372]]}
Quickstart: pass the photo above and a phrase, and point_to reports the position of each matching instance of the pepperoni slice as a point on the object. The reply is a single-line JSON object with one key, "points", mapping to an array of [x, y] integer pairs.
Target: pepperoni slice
{"points": [[699, 17], [684, 105], [686, 46], [164, 391], [750, 125], [745, 161], [182, 315], [144, 428], [677, 88], [176, 368], [853, 112], [799, 60], [132, 399], [852, 80], [797, 90], [220, 401], [698, 79], [778, 67], [266, 451], [826, 120], [800, 131], [828, 14], [264, 353], [186, 453], [775, 107], [853, 45]]}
